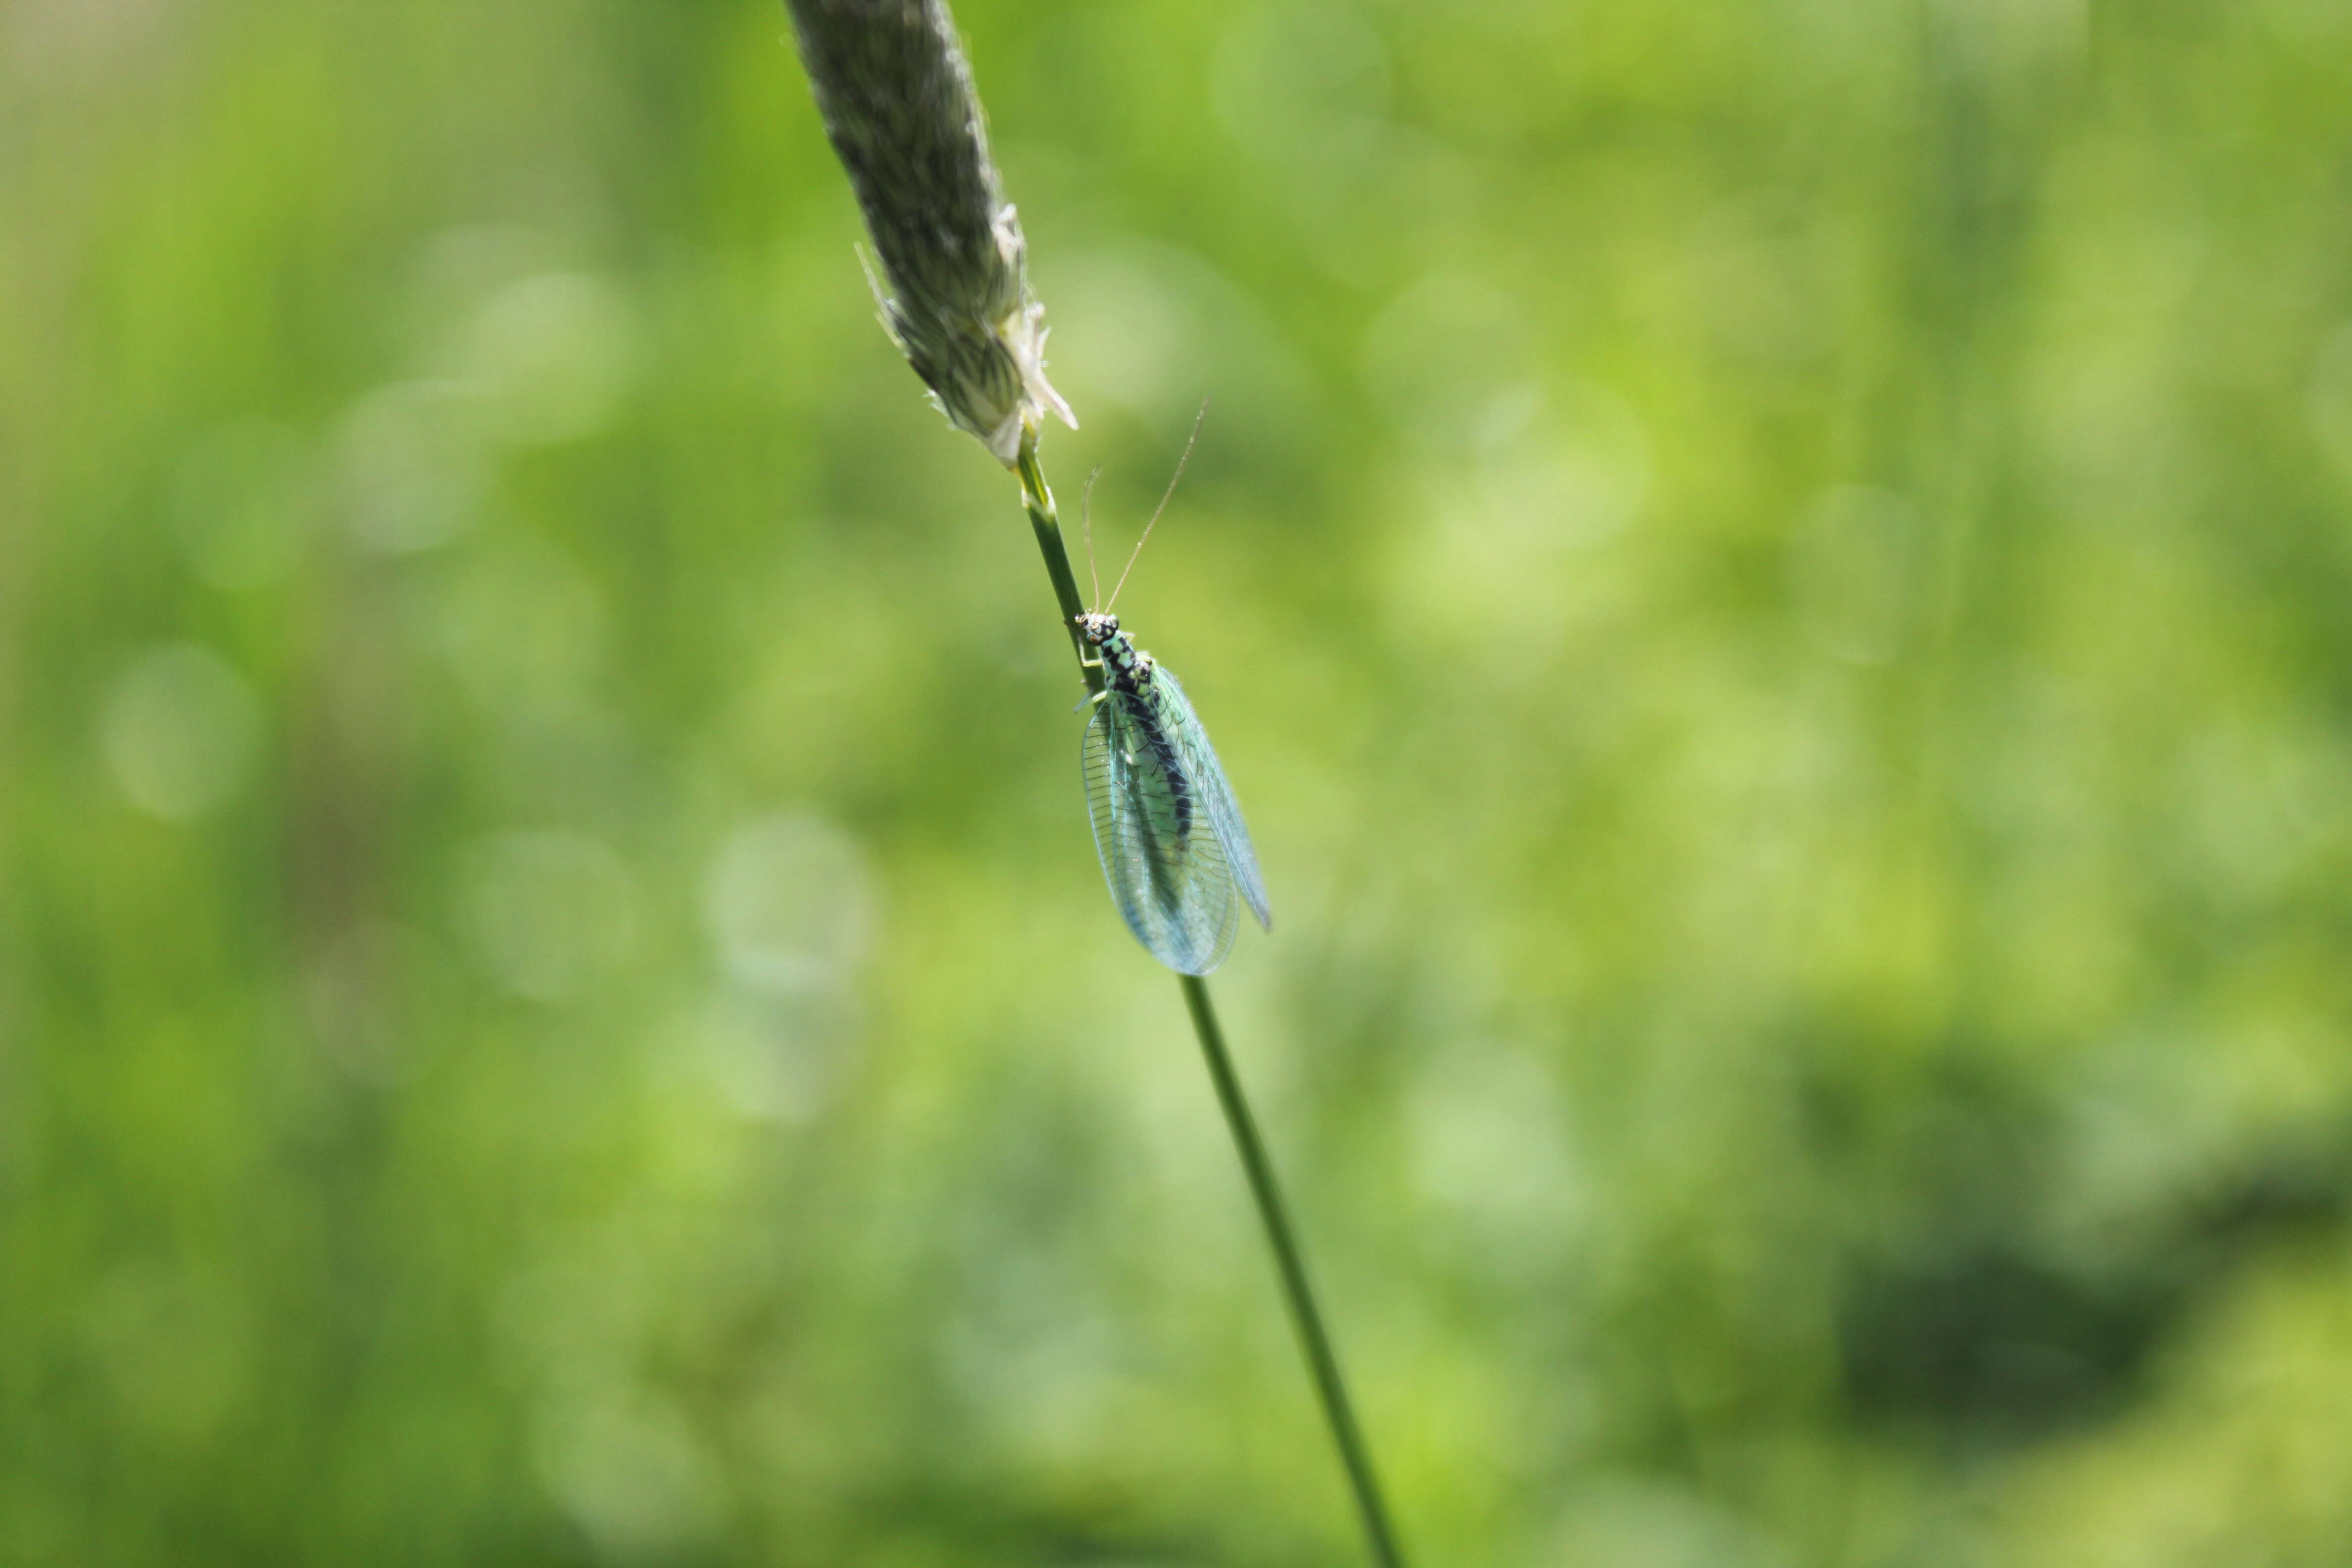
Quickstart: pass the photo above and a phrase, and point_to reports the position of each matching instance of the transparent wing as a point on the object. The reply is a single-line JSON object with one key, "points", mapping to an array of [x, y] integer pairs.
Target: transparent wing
{"points": [[1217, 795], [1164, 858]]}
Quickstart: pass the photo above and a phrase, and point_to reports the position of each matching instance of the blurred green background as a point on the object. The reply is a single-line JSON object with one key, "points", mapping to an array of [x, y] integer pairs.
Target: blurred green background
{"points": [[1773, 578]]}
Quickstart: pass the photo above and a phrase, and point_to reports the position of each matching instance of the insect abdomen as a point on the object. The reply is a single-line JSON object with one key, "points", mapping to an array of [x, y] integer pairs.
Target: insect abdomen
{"points": [[1143, 709]]}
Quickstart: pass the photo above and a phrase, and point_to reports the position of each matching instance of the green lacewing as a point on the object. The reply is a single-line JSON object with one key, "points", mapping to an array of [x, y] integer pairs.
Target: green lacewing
{"points": [[1166, 827]]}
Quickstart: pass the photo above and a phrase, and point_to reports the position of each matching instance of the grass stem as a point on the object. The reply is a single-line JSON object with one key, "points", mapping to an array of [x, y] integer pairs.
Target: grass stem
{"points": [[1314, 1339], [1038, 496], [1290, 1263]]}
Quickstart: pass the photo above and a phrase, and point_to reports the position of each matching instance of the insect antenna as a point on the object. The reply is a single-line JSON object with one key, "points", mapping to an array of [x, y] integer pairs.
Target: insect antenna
{"points": [[1086, 529], [1164, 495]]}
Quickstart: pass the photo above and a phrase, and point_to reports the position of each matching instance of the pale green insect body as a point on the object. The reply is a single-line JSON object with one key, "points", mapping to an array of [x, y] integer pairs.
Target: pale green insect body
{"points": [[1166, 827]]}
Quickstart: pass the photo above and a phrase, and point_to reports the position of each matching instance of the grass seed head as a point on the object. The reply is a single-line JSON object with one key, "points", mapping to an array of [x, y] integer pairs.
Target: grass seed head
{"points": [[898, 103]]}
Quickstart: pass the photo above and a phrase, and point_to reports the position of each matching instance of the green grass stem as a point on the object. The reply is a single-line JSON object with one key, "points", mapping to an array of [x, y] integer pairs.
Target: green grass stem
{"points": [[1281, 1236]]}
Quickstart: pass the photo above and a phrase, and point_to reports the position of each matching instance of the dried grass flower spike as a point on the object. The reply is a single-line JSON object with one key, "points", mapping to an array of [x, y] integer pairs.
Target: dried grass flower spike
{"points": [[898, 101]]}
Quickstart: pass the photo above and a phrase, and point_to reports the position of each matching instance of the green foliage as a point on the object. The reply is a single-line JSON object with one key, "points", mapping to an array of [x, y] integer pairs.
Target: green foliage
{"points": [[1771, 578]]}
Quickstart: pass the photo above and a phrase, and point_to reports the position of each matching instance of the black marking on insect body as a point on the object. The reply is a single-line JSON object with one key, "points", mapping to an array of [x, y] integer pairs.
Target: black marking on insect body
{"points": [[1126, 666], [1127, 673]]}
